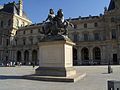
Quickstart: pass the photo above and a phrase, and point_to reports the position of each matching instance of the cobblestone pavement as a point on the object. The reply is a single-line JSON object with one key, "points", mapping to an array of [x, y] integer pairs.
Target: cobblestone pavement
{"points": [[96, 79]]}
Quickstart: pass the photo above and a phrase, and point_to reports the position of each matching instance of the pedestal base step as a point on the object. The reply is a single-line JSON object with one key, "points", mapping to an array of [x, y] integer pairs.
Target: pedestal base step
{"points": [[55, 79]]}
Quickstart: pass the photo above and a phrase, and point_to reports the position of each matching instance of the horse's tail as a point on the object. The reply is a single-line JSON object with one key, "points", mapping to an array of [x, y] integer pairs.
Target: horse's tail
{"points": [[68, 23], [71, 25]]}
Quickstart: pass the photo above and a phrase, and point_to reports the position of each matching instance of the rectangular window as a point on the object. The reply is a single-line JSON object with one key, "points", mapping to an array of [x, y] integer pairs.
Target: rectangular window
{"points": [[0, 40], [114, 35], [86, 37], [75, 37], [31, 41], [24, 41], [7, 42], [96, 36]]}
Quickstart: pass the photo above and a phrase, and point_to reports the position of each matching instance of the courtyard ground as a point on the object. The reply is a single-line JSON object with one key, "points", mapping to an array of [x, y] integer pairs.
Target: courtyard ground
{"points": [[96, 79]]}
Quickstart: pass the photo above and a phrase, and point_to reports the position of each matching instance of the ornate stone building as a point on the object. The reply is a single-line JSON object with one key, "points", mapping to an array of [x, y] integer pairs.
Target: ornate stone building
{"points": [[12, 17], [97, 38]]}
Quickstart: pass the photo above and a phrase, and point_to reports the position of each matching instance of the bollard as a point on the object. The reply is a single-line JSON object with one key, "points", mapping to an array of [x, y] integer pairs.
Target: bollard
{"points": [[110, 70]]}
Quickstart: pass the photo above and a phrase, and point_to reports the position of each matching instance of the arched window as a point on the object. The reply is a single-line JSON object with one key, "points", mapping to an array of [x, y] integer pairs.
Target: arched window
{"points": [[85, 55], [18, 56], [96, 55]]}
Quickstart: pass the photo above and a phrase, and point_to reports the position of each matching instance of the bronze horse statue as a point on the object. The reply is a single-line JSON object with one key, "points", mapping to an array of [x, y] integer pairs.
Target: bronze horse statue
{"points": [[57, 25]]}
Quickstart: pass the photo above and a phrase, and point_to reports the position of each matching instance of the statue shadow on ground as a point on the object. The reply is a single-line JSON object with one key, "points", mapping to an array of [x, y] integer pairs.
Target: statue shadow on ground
{"points": [[4, 77]]}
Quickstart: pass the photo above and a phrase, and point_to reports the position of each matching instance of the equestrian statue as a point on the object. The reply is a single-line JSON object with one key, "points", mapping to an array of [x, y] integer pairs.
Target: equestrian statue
{"points": [[55, 24]]}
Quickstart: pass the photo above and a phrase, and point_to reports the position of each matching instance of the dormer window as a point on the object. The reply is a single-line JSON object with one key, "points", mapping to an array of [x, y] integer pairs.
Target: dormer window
{"points": [[95, 24], [85, 25]]}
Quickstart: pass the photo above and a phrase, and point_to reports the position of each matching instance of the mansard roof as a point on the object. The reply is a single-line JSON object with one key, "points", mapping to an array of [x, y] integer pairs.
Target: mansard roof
{"points": [[12, 8], [111, 5]]}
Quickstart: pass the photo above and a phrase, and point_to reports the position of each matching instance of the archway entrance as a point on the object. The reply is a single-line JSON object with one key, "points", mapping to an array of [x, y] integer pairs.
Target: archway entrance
{"points": [[19, 56], [96, 55], [85, 56], [74, 56], [26, 57], [34, 57]]}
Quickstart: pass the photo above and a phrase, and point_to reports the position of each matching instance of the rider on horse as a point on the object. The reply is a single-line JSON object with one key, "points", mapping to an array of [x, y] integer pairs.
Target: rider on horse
{"points": [[51, 15], [56, 24]]}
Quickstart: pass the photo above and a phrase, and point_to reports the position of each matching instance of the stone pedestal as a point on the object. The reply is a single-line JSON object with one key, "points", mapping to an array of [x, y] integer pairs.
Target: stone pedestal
{"points": [[56, 59]]}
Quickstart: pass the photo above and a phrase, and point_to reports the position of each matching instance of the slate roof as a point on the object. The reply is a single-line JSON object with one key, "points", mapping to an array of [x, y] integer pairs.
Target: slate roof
{"points": [[111, 5], [12, 8]]}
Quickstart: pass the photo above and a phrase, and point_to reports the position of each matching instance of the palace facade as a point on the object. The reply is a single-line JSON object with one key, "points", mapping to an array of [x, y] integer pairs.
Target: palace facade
{"points": [[97, 38]]}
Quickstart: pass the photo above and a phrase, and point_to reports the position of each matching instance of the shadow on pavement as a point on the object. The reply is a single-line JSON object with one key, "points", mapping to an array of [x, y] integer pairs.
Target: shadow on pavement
{"points": [[3, 77]]}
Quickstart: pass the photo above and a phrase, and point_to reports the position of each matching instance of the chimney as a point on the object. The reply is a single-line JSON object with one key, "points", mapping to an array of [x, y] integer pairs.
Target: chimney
{"points": [[20, 7]]}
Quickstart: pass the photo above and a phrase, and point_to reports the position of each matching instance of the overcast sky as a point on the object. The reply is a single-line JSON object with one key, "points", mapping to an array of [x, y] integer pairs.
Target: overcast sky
{"points": [[37, 10]]}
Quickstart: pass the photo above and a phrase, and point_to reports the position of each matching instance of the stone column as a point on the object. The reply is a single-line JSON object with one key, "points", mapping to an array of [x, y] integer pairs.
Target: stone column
{"points": [[119, 54], [30, 56], [90, 55], [103, 55], [10, 56], [79, 61], [109, 53], [15, 56], [22, 57]]}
